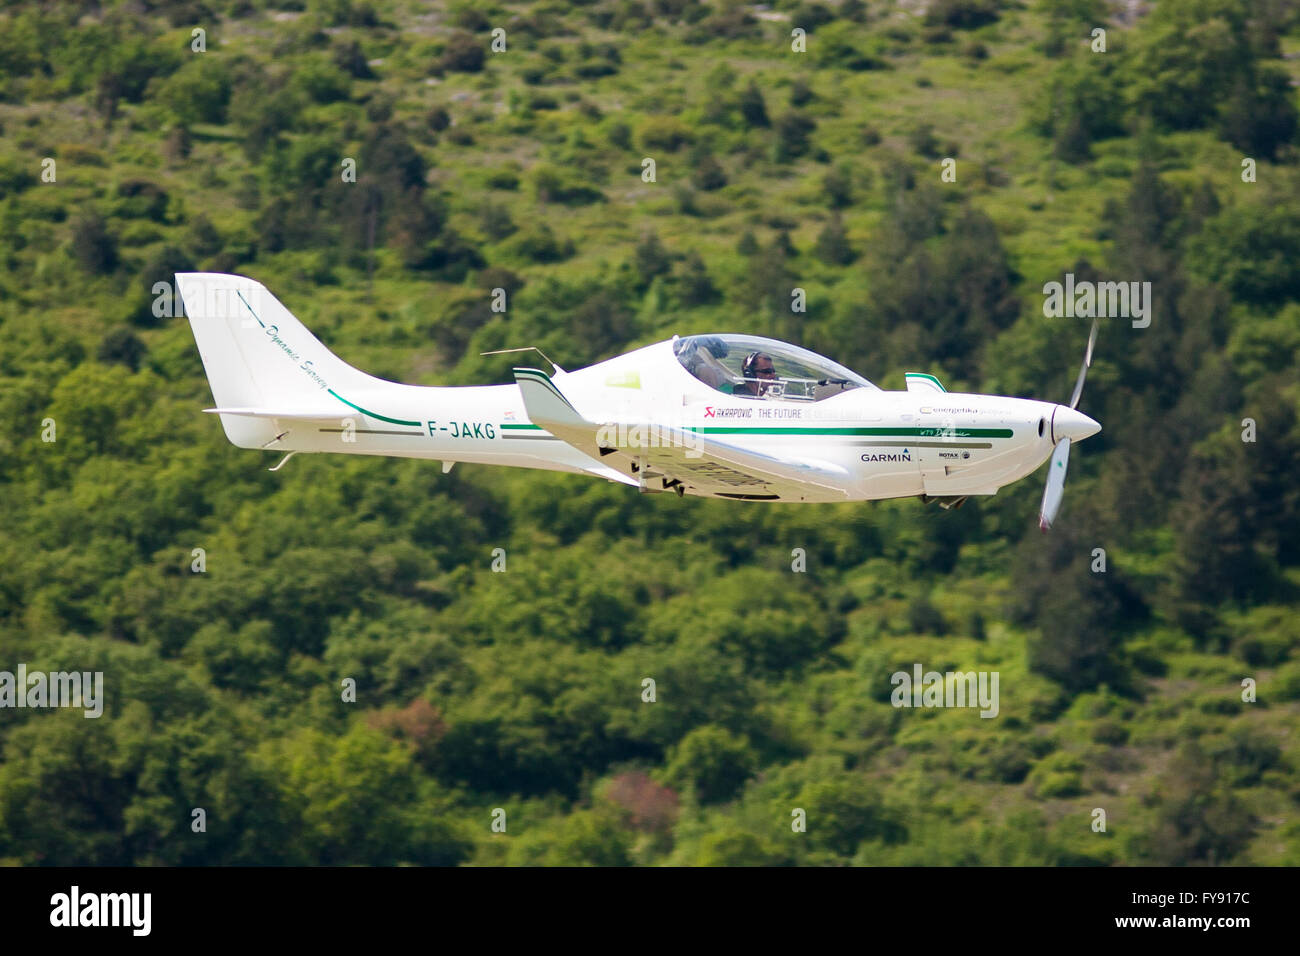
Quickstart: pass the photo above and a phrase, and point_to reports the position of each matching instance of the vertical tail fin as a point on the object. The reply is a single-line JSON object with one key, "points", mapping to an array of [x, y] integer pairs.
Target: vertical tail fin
{"points": [[258, 356]]}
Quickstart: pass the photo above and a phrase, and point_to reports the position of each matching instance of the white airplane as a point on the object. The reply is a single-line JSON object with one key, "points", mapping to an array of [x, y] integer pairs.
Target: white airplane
{"points": [[717, 416]]}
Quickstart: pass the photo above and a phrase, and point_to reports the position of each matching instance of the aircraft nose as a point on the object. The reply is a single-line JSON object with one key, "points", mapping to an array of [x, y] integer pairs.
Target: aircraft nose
{"points": [[1072, 424]]}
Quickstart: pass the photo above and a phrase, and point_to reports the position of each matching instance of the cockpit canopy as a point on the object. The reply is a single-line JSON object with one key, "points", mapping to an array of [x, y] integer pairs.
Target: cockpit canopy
{"points": [[748, 366]]}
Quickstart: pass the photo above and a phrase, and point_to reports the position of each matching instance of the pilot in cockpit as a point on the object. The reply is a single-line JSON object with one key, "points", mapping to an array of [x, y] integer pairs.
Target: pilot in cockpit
{"points": [[759, 373]]}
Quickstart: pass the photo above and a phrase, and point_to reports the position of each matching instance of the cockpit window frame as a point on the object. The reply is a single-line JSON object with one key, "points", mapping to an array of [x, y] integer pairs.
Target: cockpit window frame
{"points": [[803, 376]]}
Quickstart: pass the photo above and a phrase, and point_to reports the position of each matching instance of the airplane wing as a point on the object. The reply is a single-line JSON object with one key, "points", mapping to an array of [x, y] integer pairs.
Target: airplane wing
{"points": [[661, 457]]}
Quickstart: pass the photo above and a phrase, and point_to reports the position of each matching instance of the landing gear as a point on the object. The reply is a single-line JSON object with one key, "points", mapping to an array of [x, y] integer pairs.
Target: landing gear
{"points": [[946, 502], [644, 477]]}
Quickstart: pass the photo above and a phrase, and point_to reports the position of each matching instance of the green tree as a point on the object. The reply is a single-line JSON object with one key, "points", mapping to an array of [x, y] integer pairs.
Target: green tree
{"points": [[464, 53], [121, 345], [753, 110], [199, 92], [793, 130], [734, 847], [93, 246], [359, 801], [1198, 820], [832, 245], [711, 763]]}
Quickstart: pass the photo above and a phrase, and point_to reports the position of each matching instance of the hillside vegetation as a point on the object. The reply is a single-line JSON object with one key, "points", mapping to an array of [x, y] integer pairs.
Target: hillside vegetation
{"points": [[127, 154]]}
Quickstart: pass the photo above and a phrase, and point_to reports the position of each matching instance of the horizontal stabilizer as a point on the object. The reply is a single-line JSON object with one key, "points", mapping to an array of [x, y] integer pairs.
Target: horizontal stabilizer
{"points": [[300, 414]]}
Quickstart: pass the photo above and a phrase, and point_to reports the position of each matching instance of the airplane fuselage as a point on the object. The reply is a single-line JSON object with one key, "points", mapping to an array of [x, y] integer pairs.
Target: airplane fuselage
{"points": [[727, 415], [889, 444]]}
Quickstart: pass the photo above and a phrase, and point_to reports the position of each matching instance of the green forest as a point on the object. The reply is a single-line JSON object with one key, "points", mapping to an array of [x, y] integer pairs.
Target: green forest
{"points": [[500, 716]]}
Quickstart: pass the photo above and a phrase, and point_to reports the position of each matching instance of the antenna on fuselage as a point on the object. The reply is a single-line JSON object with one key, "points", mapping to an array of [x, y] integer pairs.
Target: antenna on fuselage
{"points": [[526, 348]]}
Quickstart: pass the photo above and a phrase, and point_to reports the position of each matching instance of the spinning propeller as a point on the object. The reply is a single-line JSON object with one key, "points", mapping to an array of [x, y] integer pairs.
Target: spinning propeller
{"points": [[1070, 425]]}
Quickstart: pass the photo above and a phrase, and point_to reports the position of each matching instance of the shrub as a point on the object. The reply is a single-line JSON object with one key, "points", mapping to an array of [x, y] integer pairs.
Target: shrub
{"points": [[793, 130], [463, 54], [963, 14], [833, 249], [712, 763], [93, 246], [540, 245], [663, 133], [198, 92], [1057, 775], [351, 59], [708, 174], [121, 346], [752, 108]]}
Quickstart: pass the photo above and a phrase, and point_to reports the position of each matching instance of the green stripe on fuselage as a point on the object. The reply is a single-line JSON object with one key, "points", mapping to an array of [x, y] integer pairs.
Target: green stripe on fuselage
{"points": [[918, 432], [382, 418]]}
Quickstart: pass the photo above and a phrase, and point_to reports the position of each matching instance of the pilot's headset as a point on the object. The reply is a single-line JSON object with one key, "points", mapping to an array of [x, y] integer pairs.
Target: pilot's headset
{"points": [[747, 366]]}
